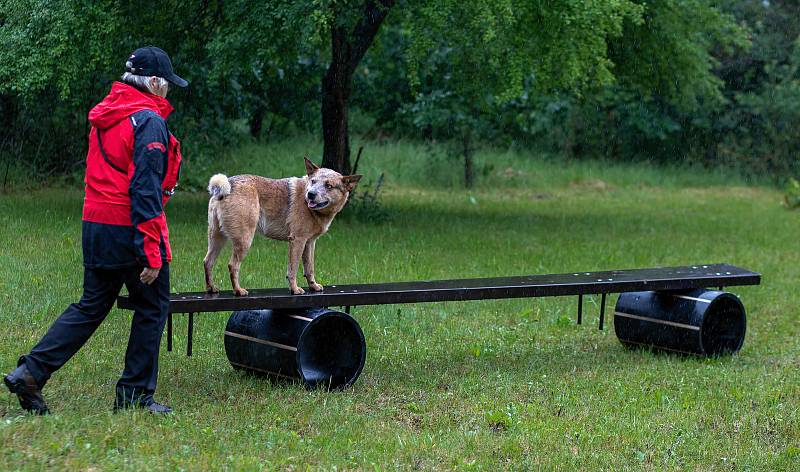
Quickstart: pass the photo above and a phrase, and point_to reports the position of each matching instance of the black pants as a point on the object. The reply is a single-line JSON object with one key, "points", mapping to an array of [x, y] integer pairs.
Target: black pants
{"points": [[80, 320]]}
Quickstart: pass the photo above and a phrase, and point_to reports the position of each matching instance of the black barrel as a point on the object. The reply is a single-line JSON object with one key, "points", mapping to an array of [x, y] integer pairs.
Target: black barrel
{"points": [[702, 322], [322, 347]]}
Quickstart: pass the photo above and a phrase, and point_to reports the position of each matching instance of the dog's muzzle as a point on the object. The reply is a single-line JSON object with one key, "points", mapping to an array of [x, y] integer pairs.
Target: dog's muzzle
{"points": [[317, 206]]}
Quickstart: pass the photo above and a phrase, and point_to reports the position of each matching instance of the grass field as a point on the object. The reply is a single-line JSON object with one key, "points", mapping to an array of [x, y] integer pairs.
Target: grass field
{"points": [[488, 385]]}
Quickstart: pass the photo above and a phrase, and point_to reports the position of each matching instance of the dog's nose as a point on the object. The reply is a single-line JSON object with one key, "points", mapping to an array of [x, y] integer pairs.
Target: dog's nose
{"points": [[312, 195]]}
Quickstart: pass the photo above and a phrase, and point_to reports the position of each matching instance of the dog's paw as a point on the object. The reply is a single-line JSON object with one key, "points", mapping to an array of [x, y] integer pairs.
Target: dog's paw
{"points": [[240, 292], [297, 291], [315, 287], [212, 289]]}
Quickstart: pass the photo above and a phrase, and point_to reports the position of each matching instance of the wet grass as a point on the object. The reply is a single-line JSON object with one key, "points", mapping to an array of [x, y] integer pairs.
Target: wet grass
{"points": [[488, 385]]}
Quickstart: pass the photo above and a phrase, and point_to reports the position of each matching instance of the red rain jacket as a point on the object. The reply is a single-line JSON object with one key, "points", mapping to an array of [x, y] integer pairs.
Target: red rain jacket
{"points": [[132, 169]]}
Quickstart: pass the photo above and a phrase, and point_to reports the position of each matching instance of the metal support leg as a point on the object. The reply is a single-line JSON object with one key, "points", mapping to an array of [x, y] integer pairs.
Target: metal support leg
{"points": [[602, 310], [580, 308], [191, 330], [347, 309], [169, 332]]}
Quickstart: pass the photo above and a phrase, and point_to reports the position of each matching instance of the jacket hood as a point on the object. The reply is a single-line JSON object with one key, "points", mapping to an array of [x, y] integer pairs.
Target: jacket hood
{"points": [[124, 100]]}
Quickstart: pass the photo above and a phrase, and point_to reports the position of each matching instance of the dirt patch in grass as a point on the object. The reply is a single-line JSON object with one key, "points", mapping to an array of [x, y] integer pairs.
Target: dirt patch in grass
{"points": [[594, 185]]}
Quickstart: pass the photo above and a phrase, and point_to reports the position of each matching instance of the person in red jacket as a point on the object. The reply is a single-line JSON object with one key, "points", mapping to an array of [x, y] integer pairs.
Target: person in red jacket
{"points": [[132, 169]]}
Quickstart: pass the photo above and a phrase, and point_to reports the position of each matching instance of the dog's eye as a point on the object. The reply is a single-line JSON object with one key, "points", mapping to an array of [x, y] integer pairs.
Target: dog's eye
{"points": [[313, 182], [328, 186]]}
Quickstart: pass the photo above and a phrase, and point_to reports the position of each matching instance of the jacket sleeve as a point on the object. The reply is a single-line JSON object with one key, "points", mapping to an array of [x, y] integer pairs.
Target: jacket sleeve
{"points": [[150, 162]]}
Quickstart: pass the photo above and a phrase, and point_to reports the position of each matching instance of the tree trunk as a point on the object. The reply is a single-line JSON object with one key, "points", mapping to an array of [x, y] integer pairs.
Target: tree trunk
{"points": [[469, 168], [571, 132], [256, 121], [336, 87], [347, 50]]}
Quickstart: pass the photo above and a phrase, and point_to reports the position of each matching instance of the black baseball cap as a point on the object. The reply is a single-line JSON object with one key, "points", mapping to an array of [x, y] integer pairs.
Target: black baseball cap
{"points": [[152, 61]]}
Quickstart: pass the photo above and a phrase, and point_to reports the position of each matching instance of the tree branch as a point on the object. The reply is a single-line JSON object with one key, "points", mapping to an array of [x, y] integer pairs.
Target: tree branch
{"points": [[365, 31]]}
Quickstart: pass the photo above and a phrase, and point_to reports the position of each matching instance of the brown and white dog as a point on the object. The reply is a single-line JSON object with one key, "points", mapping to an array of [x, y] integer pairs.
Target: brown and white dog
{"points": [[298, 210]]}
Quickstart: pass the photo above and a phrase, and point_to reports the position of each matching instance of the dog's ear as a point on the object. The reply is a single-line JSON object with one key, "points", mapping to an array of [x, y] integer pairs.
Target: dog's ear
{"points": [[310, 166], [350, 181]]}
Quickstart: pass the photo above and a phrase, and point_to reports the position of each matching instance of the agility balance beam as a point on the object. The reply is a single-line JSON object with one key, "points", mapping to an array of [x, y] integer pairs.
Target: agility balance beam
{"points": [[528, 286]]}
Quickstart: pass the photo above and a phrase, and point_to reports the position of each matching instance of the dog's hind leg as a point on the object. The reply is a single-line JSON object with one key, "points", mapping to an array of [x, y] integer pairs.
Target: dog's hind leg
{"points": [[216, 241], [240, 248], [241, 244]]}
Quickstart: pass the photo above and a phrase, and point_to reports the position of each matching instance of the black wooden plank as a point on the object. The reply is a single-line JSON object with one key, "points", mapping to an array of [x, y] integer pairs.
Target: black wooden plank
{"points": [[576, 283]]}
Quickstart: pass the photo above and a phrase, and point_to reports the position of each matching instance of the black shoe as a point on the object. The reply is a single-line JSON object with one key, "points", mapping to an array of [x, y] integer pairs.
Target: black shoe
{"points": [[158, 409], [150, 405], [24, 385]]}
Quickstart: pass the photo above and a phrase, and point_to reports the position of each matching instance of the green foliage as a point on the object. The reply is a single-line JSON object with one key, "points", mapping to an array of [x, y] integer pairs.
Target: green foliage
{"points": [[51, 44], [759, 128], [712, 83], [689, 88], [52, 58], [669, 56], [497, 45], [58, 58], [266, 64], [668, 105], [463, 77], [365, 203], [791, 197], [662, 103], [640, 84], [499, 420], [381, 86], [502, 49]]}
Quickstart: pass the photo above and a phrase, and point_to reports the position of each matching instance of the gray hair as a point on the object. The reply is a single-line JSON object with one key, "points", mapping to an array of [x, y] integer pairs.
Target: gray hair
{"points": [[143, 81]]}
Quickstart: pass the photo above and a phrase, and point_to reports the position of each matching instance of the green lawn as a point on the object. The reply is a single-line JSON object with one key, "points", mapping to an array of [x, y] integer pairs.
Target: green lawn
{"points": [[488, 385]]}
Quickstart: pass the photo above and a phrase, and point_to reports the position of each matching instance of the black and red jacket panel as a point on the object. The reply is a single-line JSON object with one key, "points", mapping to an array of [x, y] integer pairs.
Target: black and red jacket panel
{"points": [[131, 168]]}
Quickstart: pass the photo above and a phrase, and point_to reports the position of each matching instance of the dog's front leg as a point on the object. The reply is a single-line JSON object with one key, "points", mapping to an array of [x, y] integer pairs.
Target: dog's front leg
{"points": [[296, 246], [308, 265]]}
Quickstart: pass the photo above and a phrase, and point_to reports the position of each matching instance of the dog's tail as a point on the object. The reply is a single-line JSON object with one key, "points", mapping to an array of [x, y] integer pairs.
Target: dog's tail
{"points": [[219, 186]]}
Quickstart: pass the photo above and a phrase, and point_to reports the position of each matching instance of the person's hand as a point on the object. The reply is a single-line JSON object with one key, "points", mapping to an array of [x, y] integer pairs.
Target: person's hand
{"points": [[148, 275]]}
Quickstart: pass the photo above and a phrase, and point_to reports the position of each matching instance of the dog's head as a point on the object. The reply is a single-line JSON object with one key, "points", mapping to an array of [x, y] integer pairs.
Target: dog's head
{"points": [[326, 189]]}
